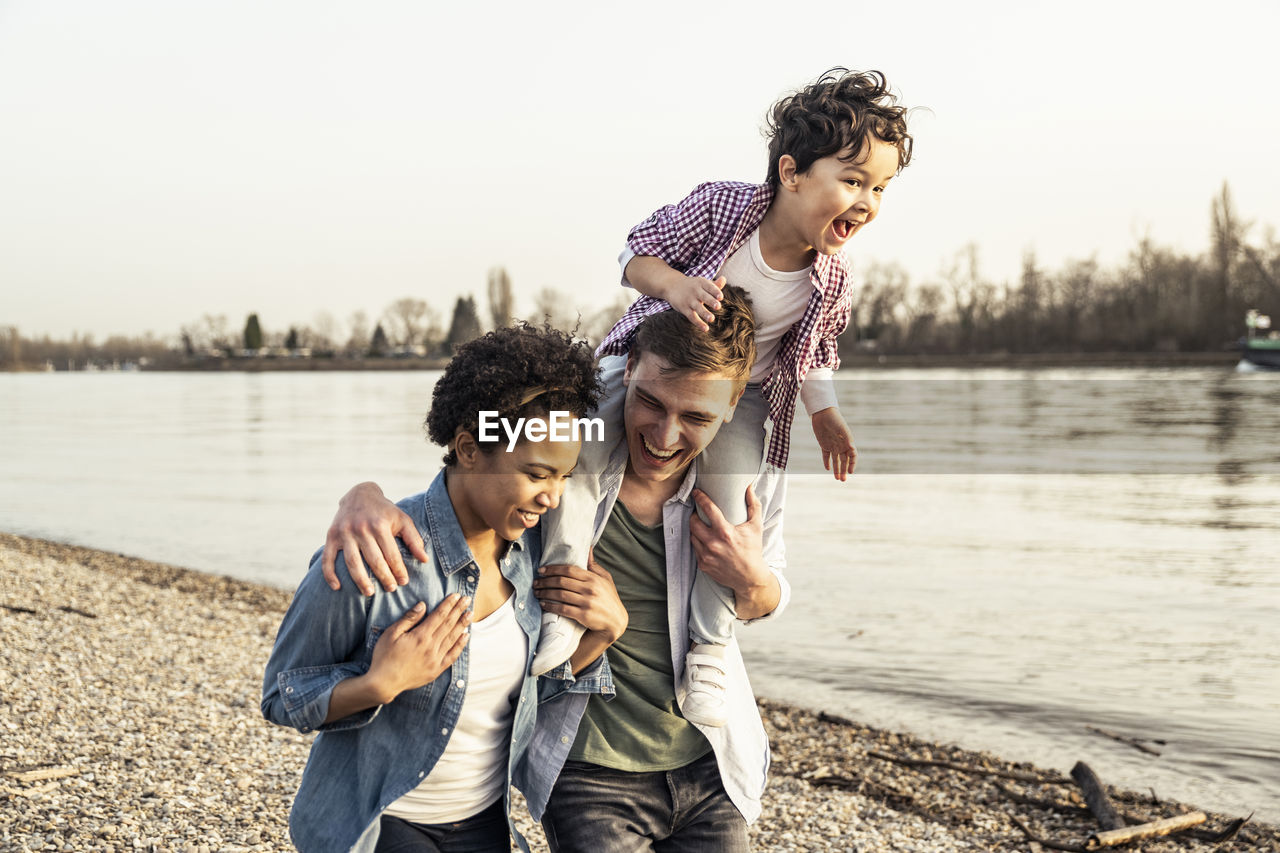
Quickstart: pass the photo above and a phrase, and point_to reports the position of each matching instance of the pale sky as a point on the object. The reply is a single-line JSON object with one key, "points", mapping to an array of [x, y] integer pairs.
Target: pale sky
{"points": [[163, 160]]}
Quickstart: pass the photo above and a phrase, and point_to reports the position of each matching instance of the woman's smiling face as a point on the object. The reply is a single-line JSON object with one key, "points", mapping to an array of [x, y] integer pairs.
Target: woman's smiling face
{"points": [[507, 491]]}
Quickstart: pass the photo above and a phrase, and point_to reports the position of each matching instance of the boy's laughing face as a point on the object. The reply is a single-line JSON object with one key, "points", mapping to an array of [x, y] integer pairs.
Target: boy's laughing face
{"points": [[837, 196]]}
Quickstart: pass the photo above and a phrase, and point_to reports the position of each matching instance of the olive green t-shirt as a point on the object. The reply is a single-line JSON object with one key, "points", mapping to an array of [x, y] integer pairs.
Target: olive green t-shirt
{"points": [[640, 729]]}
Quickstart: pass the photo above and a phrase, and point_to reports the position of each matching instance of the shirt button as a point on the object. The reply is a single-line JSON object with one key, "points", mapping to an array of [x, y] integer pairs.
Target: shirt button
{"points": [[564, 739], [520, 605], [288, 690], [471, 578], [445, 730], [422, 773], [461, 682]]}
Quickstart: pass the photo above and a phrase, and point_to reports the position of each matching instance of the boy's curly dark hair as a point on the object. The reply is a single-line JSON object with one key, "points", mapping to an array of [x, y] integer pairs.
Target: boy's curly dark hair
{"points": [[518, 371], [835, 113]]}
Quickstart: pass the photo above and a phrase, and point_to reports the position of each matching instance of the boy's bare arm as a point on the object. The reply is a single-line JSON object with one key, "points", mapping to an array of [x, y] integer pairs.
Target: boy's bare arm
{"points": [[839, 456], [693, 296]]}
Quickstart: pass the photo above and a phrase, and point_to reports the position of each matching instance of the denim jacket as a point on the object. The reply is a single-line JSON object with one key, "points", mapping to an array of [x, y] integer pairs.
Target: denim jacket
{"points": [[360, 764], [741, 746]]}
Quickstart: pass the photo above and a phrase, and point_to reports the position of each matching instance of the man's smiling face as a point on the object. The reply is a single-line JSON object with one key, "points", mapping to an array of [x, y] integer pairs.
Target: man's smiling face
{"points": [[671, 415]]}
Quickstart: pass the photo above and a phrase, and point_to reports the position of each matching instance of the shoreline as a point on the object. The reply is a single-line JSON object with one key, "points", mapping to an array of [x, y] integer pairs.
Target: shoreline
{"points": [[853, 361], [130, 710]]}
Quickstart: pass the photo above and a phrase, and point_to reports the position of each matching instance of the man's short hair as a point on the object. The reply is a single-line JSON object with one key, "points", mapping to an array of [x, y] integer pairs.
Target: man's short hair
{"points": [[729, 348], [837, 112]]}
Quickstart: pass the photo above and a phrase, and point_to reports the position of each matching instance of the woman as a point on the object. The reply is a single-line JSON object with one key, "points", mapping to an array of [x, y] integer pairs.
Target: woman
{"points": [[422, 695]]}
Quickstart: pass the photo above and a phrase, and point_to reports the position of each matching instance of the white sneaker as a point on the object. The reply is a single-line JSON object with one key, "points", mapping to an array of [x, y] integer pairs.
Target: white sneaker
{"points": [[703, 686], [557, 642]]}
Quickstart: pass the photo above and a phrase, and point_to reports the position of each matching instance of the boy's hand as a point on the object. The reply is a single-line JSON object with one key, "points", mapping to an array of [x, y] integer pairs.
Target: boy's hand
{"points": [[696, 298], [367, 525], [836, 442]]}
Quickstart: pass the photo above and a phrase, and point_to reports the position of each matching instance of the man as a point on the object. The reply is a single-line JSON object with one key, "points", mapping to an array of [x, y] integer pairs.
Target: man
{"points": [[614, 765]]}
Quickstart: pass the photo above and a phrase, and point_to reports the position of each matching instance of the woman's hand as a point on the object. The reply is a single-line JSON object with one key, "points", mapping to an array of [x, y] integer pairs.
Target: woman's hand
{"points": [[589, 597], [367, 525], [411, 653]]}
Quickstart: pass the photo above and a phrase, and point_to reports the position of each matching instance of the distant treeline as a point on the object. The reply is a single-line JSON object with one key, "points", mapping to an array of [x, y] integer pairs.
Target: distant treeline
{"points": [[1161, 299]]}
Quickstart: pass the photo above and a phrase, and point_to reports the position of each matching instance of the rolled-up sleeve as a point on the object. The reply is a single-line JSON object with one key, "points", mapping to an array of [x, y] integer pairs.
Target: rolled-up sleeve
{"points": [[594, 678], [318, 645]]}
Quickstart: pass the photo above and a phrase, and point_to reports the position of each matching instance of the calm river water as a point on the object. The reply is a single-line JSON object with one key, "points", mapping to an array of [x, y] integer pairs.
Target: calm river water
{"points": [[1021, 555]]}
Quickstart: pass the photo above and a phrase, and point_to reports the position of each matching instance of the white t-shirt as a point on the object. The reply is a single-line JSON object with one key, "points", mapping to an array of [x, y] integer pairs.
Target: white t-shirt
{"points": [[472, 770], [778, 301]]}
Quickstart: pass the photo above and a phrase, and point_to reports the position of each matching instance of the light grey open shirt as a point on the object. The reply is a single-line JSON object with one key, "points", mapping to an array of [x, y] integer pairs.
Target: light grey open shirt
{"points": [[741, 746]]}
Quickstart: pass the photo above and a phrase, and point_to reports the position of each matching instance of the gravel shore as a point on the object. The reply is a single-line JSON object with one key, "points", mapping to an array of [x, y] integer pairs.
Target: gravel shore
{"points": [[129, 711]]}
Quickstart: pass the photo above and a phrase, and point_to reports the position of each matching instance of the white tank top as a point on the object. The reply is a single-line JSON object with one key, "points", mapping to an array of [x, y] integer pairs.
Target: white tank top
{"points": [[472, 770]]}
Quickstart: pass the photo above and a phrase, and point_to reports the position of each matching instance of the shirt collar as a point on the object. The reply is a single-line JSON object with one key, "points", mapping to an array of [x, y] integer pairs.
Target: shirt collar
{"points": [[447, 540]]}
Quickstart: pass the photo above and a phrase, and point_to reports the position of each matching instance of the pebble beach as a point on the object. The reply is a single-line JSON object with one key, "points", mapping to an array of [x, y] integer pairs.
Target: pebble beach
{"points": [[129, 720]]}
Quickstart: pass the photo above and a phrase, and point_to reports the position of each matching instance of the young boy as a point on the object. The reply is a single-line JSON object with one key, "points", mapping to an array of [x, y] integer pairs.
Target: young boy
{"points": [[833, 148]]}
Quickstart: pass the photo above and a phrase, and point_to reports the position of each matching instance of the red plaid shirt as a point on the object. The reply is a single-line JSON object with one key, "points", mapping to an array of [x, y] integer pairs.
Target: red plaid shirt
{"points": [[695, 237]]}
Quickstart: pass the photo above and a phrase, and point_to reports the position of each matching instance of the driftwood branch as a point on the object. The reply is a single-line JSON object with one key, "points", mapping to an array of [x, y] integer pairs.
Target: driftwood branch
{"points": [[40, 774], [1134, 742], [1096, 796], [964, 768], [1111, 838]]}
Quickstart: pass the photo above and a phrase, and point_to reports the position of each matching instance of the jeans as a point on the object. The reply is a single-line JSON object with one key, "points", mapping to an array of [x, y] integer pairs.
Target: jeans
{"points": [[484, 832], [596, 809]]}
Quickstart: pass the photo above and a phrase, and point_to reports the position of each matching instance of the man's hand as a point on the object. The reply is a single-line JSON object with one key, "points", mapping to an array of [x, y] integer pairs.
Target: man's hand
{"points": [[587, 596], [836, 442], [366, 525], [734, 556], [696, 298]]}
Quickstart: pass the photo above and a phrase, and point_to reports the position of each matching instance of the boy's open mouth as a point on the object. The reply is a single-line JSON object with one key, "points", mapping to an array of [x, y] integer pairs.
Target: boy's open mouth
{"points": [[844, 228]]}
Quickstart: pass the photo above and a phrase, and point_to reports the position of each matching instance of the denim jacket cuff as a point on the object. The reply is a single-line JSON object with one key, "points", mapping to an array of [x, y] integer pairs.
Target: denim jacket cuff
{"points": [[595, 678], [306, 692]]}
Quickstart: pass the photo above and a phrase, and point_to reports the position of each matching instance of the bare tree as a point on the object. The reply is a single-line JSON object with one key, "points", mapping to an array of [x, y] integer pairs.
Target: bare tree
{"points": [[552, 306], [501, 302], [597, 325], [411, 322], [361, 334]]}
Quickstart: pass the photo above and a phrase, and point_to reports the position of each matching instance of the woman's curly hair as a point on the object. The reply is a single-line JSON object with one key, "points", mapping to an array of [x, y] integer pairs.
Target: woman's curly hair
{"points": [[518, 371], [837, 112]]}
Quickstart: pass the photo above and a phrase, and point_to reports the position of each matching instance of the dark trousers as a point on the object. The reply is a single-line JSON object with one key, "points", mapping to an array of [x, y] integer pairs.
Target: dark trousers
{"points": [[484, 832], [596, 809]]}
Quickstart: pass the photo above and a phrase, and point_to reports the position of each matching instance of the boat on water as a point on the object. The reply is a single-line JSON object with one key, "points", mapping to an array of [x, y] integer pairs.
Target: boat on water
{"points": [[1260, 348]]}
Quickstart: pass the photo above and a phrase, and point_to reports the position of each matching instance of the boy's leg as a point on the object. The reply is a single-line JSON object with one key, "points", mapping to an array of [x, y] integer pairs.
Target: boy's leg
{"points": [[726, 468], [732, 461], [712, 614], [567, 530]]}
